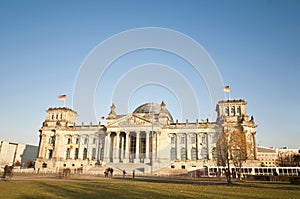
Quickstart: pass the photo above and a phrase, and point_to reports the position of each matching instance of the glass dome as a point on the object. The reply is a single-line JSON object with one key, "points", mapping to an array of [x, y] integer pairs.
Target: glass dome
{"points": [[150, 108]]}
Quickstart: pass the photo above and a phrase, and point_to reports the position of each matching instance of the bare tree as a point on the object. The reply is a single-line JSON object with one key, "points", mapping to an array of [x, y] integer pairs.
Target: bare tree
{"points": [[232, 148], [223, 158], [288, 159], [238, 150]]}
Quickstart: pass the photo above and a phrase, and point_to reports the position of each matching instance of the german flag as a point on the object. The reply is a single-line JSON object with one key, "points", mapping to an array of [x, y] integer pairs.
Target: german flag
{"points": [[62, 97], [227, 89]]}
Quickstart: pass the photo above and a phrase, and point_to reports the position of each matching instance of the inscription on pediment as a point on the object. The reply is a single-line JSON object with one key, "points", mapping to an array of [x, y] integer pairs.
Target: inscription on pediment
{"points": [[131, 121]]}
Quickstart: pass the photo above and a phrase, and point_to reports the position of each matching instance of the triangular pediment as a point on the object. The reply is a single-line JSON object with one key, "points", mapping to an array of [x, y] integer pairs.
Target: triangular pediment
{"points": [[131, 120]]}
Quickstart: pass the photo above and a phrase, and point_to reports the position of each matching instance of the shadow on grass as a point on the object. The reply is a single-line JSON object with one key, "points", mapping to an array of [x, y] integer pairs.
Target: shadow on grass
{"points": [[151, 187]]}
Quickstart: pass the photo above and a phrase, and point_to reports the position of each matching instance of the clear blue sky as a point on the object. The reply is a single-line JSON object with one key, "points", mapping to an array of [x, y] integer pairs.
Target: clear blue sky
{"points": [[254, 44]]}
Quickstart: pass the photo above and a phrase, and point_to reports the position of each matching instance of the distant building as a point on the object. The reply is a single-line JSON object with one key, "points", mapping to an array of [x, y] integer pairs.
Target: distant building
{"points": [[271, 157], [147, 139], [267, 156], [11, 152]]}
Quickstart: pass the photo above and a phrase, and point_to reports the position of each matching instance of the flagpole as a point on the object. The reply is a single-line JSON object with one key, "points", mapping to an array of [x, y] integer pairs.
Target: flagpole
{"points": [[64, 102]]}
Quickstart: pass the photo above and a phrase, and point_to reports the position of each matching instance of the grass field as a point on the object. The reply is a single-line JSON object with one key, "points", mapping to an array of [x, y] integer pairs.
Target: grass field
{"points": [[92, 187]]}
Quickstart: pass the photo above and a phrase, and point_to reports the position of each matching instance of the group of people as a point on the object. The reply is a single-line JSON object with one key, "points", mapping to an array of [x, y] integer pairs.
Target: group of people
{"points": [[107, 171], [110, 171], [7, 171], [133, 173]]}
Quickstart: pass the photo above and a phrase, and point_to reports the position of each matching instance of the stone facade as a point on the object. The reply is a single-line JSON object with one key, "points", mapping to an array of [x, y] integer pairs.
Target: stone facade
{"points": [[147, 138]]}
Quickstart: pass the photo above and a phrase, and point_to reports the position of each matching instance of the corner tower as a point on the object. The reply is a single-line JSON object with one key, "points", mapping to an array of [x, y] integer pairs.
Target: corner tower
{"points": [[232, 117], [55, 136], [60, 117]]}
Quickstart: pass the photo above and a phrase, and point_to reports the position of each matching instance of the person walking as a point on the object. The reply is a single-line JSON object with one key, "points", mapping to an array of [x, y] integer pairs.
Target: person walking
{"points": [[133, 174], [124, 173]]}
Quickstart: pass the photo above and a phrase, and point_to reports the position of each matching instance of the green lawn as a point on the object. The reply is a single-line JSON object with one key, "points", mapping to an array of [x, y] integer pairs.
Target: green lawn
{"points": [[51, 187]]}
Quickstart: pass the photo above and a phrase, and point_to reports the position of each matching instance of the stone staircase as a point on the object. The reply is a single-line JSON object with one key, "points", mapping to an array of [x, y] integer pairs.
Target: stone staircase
{"points": [[139, 168]]}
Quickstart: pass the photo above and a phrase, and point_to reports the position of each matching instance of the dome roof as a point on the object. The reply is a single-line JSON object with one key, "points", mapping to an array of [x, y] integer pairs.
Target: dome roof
{"points": [[150, 108]]}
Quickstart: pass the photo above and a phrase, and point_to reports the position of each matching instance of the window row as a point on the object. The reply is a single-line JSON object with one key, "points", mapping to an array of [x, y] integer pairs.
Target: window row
{"points": [[182, 139], [57, 116], [76, 153], [183, 154], [233, 110]]}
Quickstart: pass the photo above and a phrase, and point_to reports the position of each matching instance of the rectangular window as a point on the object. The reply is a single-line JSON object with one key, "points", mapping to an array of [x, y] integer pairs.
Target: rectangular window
{"points": [[84, 154], [68, 154], [76, 153], [182, 140], [232, 110], [77, 140], [94, 140], [93, 153], [204, 139], [50, 154], [69, 141], [173, 154], [52, 140], [238, 110], [172, 140], [85, 140], [226, 111], [193, 139]]}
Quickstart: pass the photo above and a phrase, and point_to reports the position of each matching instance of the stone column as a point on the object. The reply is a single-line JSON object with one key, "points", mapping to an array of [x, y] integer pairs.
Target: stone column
{"points": [[188, 147], [147, 160], [122, 148], [178, 152], [209, 155], [107, 147], [197, 146], [254, 146], [117, 148], [43, 146], [157, 146], [56, 151], [126, 159], [137, 147]]}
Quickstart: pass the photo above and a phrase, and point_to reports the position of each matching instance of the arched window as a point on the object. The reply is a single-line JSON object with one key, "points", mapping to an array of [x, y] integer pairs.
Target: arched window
{"points": [[173, 153], [183, 153], [194, 154]]}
